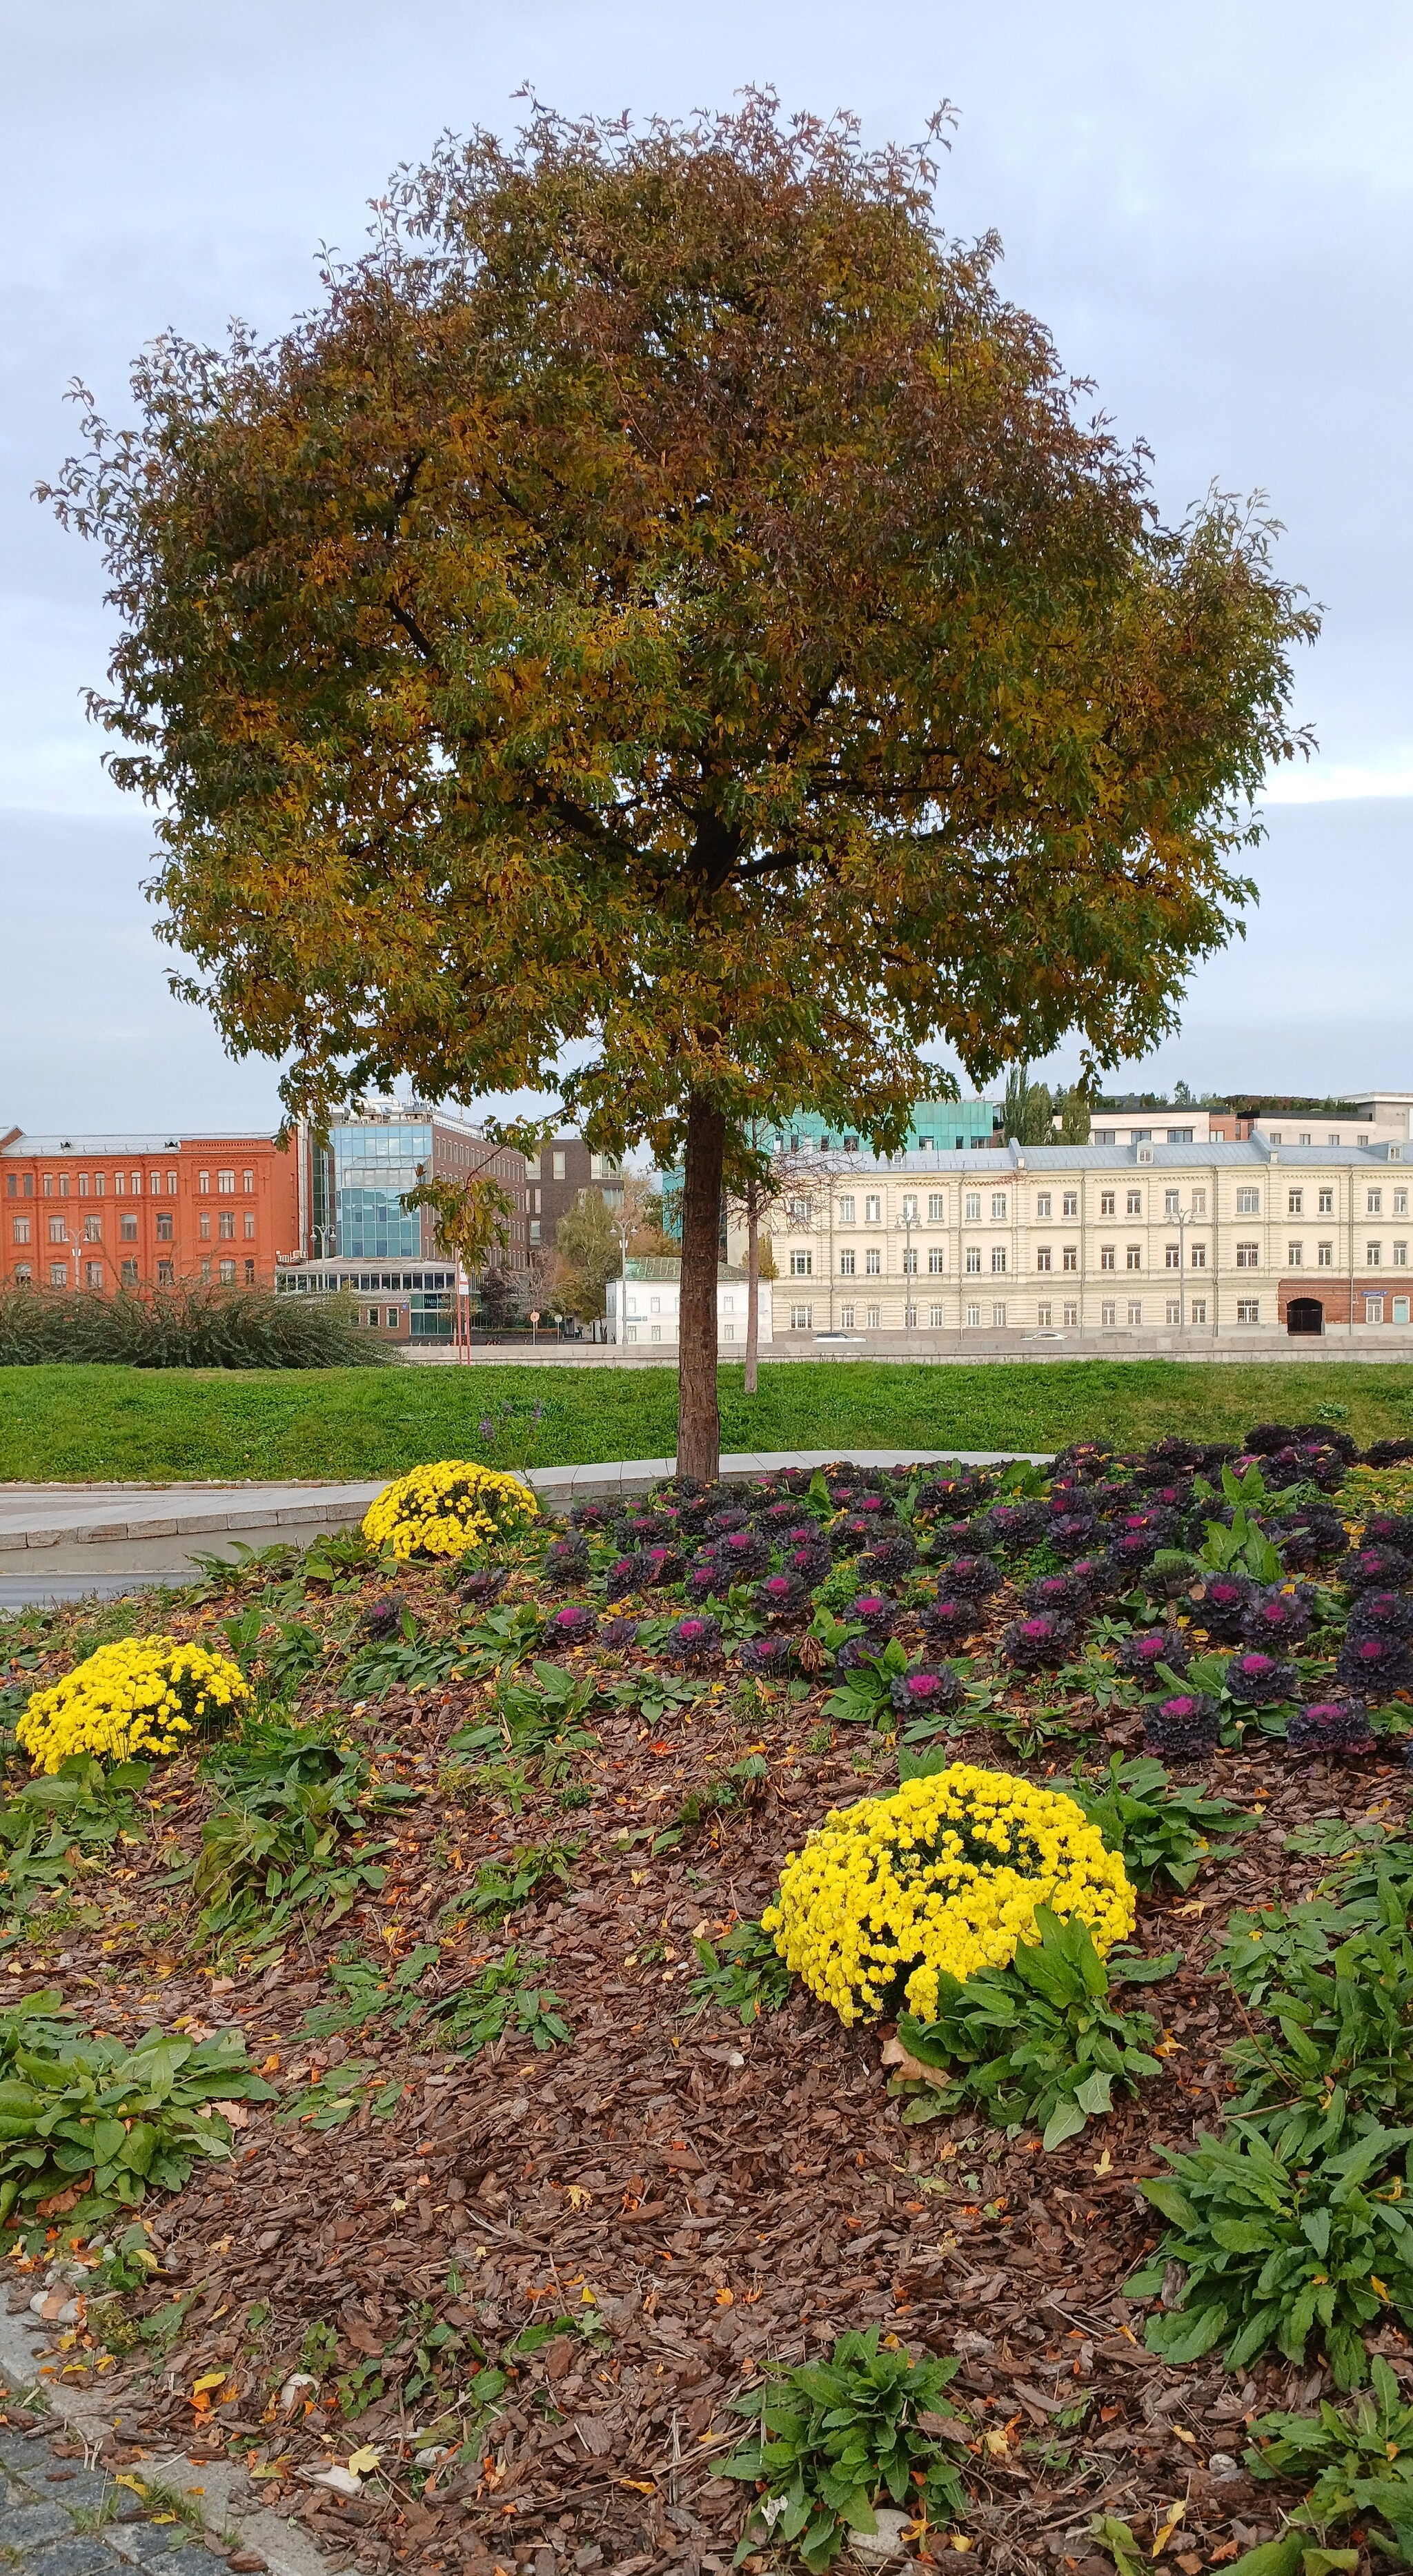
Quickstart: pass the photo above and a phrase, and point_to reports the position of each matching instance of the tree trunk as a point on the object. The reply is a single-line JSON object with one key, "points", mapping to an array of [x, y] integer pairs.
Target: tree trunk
{"points": [[752, 1284], [698, 1420]]}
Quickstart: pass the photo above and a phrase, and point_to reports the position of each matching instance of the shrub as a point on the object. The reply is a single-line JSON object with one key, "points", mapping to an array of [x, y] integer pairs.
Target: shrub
{"points": [[143, 1695], [449, 1509], [193, 1326], [836, 2436], [1274, 2254], [1038, 2042], [944, 1875]]}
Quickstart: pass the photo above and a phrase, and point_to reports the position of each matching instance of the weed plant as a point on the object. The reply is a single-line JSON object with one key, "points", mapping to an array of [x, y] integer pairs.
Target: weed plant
{"points": [[838, 2438]]}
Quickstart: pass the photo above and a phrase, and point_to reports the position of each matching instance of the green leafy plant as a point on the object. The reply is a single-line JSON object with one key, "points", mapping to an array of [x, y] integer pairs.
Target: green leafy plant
{"points": [[1361, 2458], [334, 2097], [731, 1788], [1032, 1731], [839, 2437], [865, 1694], [1039, 2043], [1164, 1833], [654, 1694], [62, 1823], [1342, 2021], [741, 1971], [278, 1853], [371, 1990], [499, 1640], [500, 1886], [91, 2117], [1274, 2253], [505, 1995]]}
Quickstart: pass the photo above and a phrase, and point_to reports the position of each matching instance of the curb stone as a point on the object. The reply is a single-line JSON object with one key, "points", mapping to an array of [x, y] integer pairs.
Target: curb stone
{"points": [[38, 2535]]}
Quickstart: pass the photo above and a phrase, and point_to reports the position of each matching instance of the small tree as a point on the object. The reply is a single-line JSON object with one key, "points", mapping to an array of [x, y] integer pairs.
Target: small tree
{"points": [[1029, 1111], [589, 1255], [1074, 1116], [664, 603]]}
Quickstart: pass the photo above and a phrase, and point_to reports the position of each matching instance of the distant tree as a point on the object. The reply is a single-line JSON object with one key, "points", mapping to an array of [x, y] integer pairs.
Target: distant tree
{"points": [[589, 1255], [663, 602], [498, 1297], [1027, 1112], [1182, 1097], [1073, 1107]]}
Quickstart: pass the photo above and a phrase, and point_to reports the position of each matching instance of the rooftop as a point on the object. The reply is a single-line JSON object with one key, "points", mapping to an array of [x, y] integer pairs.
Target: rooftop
{"points": [[151, 1144]]}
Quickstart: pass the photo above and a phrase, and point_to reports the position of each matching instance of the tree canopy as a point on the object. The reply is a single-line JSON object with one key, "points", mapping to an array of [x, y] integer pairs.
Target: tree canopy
{"points": [[663, 601]]}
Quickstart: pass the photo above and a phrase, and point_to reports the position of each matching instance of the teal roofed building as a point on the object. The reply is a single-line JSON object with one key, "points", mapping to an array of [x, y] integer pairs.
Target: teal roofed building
{"points": [[936, 1127]]}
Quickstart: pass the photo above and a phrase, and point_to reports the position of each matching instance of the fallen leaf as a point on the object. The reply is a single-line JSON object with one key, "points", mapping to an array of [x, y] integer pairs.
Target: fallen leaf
{"points": [[1105, 2163], [898, 2059], [360, 2462], [1165, 2533]]}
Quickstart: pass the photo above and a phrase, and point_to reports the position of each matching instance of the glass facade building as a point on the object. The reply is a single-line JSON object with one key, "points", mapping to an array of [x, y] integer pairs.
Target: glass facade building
{"points": [[358, 1194]]}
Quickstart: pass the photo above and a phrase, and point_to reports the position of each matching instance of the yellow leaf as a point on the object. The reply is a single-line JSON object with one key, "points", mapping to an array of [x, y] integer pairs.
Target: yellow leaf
{"points": [[1105, 2164], [726, 2298], [210, 2379], [960, 2541], [1184, 2436], [1380, 2286], [1194, 1905], [577, 2196], [1168, 2528], [360, 2462]]}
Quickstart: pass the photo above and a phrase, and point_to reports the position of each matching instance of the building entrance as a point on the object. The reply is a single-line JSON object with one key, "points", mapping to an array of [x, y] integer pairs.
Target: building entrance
{"points": [[1305, 1315]]}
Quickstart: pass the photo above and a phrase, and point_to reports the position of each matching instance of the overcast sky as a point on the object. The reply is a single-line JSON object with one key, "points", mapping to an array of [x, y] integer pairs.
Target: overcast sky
{"points": [[1211, 206]]}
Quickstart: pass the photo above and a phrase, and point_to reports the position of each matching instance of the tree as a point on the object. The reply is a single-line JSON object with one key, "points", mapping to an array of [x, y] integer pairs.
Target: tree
{"points": [[1073, 1106], [472, 1216], [498, 1296], [664, 603], [590, 1254], [1182, 1097], [1028, 1110]]}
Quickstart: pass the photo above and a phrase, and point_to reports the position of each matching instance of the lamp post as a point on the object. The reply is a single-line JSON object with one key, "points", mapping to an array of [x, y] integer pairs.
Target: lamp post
{"points": [[903, 1225], [1182, 1218]]}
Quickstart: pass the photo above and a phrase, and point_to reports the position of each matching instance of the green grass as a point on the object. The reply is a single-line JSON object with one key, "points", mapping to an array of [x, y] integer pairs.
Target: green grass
{"points": [[59, 1423]]}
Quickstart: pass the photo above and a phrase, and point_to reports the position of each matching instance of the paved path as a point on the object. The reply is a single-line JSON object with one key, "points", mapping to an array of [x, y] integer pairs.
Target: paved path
{"points": [[76, 1542]]}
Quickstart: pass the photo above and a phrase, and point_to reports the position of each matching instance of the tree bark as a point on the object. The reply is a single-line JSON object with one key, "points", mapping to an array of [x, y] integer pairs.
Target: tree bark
{"points": [[698, 1419], [752, 1284]]}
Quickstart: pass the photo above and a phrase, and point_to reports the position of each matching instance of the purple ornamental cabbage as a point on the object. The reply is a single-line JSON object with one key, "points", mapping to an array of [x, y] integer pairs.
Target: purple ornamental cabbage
{"points": [[571, 1626], [618, 1633], [1311, 1536], [1141, 1655], [856, 1651], [925, 1690], [622, 1577], [950, 1622], [1382, 1614], [657, 1566], [1375, 1663], [779, 1596], [874, 1611], [591, 1516], [1275, 1619], [1184, 1728], [767, 1658], [1258, 1680], [383, 1618], [1057, 1592], [889, 1560], [1389, 1529], [694, 1640], [811, 1564], [483, 1584], [1093, 1576], [704, 1581], [1032, 1644], [722, 1523], [741, 1556], [566, 1561], [1375, 1569], [1072, 1533], [973, 1578], [1223, 1606], [1330, 1726]]}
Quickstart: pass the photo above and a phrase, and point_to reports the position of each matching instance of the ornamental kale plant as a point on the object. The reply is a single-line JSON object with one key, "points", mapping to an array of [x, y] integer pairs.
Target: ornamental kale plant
{"points": [[1039, 2043], [1274, 2254], [838, 2437], [1165, 1834]]}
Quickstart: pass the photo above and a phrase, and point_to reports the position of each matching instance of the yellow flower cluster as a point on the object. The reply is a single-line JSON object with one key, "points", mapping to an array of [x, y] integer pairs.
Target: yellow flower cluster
{"points": [[447, 1509], [945, 1874], [140, 1696]]}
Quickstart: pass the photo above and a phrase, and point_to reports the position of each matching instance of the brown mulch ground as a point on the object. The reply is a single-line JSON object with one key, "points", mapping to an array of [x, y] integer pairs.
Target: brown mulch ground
{"points": [[718, 2198]]}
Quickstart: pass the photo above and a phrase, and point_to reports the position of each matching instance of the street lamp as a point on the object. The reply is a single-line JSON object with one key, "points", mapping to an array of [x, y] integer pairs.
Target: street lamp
{"points": [[903, 1225], [1182, 1218]]}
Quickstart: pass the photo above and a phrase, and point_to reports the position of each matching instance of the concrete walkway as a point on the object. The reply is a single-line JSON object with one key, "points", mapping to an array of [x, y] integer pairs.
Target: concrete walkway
{"points": [[75, 1542]]}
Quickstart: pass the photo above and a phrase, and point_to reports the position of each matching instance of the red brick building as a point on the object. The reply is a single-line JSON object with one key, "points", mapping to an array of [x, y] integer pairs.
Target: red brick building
{"points": [[104, 1212]]}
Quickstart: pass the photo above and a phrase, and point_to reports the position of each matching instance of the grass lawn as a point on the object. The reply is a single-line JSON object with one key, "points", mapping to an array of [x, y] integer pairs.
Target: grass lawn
{"points": [[62, 1422]]}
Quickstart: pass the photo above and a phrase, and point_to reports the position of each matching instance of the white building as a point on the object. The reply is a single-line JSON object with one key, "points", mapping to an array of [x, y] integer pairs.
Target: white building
{"points": [[643, 1307], [1102, 1242]]}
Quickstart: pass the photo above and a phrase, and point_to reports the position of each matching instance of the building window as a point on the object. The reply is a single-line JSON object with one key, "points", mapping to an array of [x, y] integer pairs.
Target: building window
{"points": [[1171, 1202], [910, 1261], [1108, 1311], [1400, 1202], [171, 1185], [1248, 1256], [93, 1229], [973, 1259], [58, 1274], [937, 1207], [1400, 1256], [127, 1227], [934, 1317], [1042, 1257], [58, 1231], [1102, 1136], [24, 1276], [871, 1314], [1248, 1310], [973, 1318], [1043, 1315], [1133, 1256], [1199, 1256], [203, 1183], [937, 1259], [1373, 1310], [20, 1229], [973, 1207], [1135, 1203], [1197, 1310], [728, 1332], [226, 1225], [1135, 1310], [249, 1226], [1069, 1313], [846, 1211], [873, 1211], [166, 1274], [1373, 1256], [1172, 1256], [1199, 1202], [1326, 1203], [998, 1256], [1295, 1203], [909, 1208], [1069, 1258], [1248, 1202], [203, 1225], [1180, 1135], [129, 1272], [1070, 1204], [557, 1165], [1324, 1256], [534, 1229], [93, 1273], [998, 1207], [801, 1318], [846, 1265], [1174, 1313], [998, 1318], [1374, 1203], [1295, 1256], [1400, 1310], [164, 1225], [1108, 1256], [799, 1212], [247, 1182], [1107, 1202], [1042, 1203], [846, 1318], [873, 1261], [228, 1272]]}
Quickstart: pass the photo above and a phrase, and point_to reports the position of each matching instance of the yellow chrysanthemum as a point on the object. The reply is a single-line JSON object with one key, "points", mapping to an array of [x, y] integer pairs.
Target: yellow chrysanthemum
{"points": [[447, 1509], [944, 1875], [140, 1696]]}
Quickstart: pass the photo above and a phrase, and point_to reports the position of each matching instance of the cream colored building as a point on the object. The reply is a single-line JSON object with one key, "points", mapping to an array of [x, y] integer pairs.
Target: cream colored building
{"points": [[1100, 1243]]}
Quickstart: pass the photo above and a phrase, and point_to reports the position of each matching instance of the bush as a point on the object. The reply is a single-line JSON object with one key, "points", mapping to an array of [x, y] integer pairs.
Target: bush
{"points": [[191, 1326], [142, 1695], [448, 1509], [944, 1876]]}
